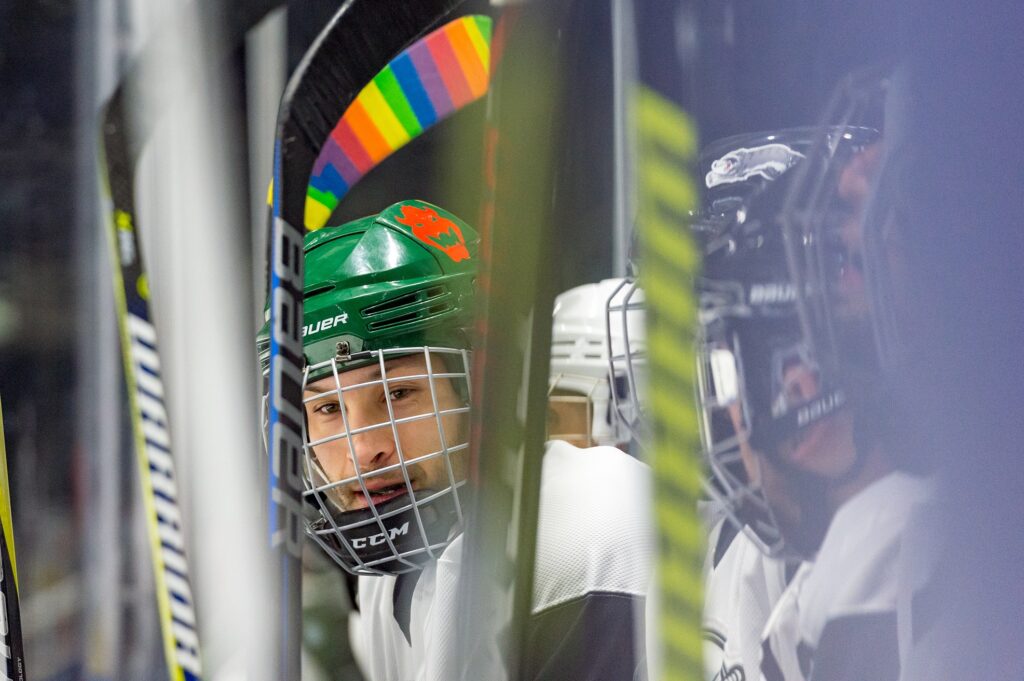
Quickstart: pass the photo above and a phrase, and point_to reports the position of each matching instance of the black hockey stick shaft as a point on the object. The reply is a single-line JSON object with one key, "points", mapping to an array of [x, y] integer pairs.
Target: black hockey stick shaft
{"points": [[12, 648], [125, 130], [358, 42]]}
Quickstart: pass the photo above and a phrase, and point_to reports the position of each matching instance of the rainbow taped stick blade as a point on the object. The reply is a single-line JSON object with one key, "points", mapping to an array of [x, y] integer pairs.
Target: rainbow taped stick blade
{"points": [[439, 75], [12, 650], [361, 39]]}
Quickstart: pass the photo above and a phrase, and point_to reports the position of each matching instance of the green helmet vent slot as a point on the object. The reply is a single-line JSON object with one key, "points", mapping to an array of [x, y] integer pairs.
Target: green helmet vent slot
{"points": [[412, 307], [420, 296], [326, 288], [394, 321]]}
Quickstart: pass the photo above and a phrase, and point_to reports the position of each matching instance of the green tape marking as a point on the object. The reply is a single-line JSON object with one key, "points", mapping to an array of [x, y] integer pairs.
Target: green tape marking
{"points": [[666, 193]]}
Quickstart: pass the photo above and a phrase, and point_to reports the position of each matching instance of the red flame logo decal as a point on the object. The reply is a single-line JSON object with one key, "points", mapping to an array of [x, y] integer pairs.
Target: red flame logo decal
{"points": [[436, 231]]}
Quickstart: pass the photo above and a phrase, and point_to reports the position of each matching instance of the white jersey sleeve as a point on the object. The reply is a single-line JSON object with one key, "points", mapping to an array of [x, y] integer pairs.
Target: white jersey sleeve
{"points": [[923, 648], [595, 548], [741, 587]]}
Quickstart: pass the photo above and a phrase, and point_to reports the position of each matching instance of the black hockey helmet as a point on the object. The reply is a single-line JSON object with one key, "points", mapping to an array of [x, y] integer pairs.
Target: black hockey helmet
{"points": [[760, 382]]}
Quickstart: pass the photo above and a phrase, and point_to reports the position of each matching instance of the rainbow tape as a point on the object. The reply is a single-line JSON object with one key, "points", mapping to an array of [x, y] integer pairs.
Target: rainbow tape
{"points": [[433, 78]]}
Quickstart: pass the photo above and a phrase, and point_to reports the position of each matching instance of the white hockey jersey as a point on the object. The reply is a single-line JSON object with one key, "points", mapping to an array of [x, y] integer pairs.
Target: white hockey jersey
{"points": [[595, 550], [837, 619], [923, 647], [741, 587]]}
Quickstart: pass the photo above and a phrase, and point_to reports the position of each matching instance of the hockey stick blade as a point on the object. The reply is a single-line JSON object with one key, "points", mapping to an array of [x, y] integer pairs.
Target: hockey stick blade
{"points": [[434, 78], [360, 40]]}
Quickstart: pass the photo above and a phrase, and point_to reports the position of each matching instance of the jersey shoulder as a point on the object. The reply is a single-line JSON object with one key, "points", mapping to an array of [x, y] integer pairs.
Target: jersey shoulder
{"points": [[595, 533], [855, 572], [844, 603]]}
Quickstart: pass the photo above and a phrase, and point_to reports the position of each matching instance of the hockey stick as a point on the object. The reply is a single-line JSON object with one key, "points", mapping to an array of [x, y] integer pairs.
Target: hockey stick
{"points": [[667, 142], [358, 42], [125, 130], [666, 192], [12, 649], [511, 360]]}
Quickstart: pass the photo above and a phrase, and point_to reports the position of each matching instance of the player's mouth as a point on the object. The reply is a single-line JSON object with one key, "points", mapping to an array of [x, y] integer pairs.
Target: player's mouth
{"points": [[379, 494]]}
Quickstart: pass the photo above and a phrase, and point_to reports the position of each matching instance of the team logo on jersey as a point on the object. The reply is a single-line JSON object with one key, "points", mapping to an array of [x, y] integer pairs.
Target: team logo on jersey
{"points": [[768, 161], [436, 231]]}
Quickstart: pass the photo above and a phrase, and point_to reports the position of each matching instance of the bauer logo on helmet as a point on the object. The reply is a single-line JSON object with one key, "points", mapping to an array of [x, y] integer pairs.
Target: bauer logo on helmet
{"points": [[325, 324]]}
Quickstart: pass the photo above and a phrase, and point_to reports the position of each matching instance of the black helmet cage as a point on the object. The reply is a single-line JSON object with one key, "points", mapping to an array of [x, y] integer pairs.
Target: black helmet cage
{"points": [[880, 224], [376, 540], [628, 368], [720, 377]]}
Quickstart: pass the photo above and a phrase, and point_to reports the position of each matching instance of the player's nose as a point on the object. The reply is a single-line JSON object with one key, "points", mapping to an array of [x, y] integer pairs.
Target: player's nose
{"points": [[372, 443]]}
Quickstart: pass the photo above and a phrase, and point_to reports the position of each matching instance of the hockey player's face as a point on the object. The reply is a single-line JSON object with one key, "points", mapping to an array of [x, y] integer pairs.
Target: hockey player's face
{"points": [[376, 449]]}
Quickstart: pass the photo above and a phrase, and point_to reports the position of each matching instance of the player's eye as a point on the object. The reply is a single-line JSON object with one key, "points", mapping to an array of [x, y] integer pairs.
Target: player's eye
{"points": [[397, 394], [327, 408]]}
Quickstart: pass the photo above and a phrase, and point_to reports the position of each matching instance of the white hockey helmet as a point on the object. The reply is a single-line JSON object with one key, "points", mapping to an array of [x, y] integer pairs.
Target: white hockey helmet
{"points": [[582, 381]]}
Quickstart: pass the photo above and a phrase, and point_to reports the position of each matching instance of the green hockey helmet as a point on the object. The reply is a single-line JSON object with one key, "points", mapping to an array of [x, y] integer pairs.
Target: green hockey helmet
{"points": [[402, 278]]}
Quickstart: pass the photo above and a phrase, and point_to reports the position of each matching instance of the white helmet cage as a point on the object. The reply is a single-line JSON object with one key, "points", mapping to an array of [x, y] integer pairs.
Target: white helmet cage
{"points": [[627, 337], [581, 370], [404, 523]]}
